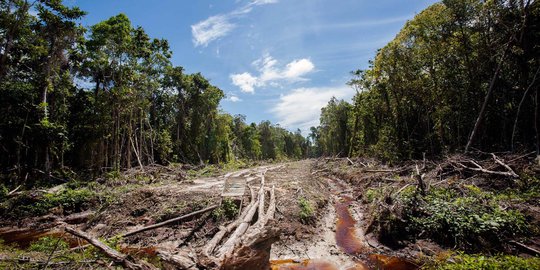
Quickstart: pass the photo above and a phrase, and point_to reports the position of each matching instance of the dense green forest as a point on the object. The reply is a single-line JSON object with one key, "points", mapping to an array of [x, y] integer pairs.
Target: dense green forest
{"points": [[108, 98], [462, 74]]}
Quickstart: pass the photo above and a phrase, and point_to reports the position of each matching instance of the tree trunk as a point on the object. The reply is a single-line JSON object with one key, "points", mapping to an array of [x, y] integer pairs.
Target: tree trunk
{"points": [[480, 118]]}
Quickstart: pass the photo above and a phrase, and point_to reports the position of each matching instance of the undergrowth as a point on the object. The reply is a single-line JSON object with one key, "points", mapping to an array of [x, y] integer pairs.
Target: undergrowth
{"points": [[467, 218], [462, 261]]}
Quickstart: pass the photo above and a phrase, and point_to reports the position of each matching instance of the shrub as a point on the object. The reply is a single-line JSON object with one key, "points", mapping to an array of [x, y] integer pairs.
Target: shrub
{"points": [[228, 209], [501, 262], [470, 221], [307, 213]]}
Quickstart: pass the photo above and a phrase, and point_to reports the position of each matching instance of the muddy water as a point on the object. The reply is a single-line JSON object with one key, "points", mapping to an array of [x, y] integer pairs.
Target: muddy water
{"points": [[346, 237], [349, 242]]}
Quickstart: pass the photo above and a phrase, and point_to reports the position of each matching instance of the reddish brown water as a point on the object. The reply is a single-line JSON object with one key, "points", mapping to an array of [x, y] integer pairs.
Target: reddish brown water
{"points": [[346, 237], [348, 242]]}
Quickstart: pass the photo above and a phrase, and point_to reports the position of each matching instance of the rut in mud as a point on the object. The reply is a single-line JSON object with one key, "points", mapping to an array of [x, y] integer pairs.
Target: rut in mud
{"points": [[341, 244]]}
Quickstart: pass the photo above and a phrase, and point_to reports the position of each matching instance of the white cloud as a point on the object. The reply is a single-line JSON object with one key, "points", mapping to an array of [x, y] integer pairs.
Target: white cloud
{"points": [[298, 68], [218, 26], [301, 108], [245, 81], [211, 29], [270, 74], [233, 98]]}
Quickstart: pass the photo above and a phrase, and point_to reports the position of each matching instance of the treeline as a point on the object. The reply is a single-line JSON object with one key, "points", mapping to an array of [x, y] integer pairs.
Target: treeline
{"points": [[108, 98], [462, 74]]}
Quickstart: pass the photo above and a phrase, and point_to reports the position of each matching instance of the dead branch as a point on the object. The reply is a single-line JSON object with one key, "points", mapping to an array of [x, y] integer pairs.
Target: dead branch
{"points": [[376, 171], [161, 224], [116, 256], [420, 179], [13, 191], [483, 170], [525, 247], [505, 166]]}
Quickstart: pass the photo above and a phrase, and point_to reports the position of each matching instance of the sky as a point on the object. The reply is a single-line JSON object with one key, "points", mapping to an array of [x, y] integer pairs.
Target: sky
{"points": [[277, 60]]}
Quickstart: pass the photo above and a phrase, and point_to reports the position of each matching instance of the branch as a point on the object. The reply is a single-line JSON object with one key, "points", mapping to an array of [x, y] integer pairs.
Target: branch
{"points": [[116, 256], [161, 224]]}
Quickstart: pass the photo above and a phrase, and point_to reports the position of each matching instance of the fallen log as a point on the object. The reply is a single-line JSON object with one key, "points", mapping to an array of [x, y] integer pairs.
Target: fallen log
{"points": [[182, 260], [161, 224], [117, 257], [211, 245], [254, 250], [240, 230], [261, 197]]}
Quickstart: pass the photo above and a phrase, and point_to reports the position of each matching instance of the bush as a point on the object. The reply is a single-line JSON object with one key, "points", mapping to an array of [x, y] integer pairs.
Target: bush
{"points": [[70, 200], [228, 210], [470, 221], [502, 262], [307, 213]]}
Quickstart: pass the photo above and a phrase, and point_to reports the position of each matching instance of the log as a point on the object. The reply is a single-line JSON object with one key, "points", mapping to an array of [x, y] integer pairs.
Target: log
{"points": [[270, 212], [261, 197], [161, 224], [240, 230], [254, 251], [211, 245], [117, 257], [182, 260]]}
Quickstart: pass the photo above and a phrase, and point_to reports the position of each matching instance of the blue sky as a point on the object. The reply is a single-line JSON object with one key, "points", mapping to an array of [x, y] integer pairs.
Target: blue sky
{"points": [[277, 60]]}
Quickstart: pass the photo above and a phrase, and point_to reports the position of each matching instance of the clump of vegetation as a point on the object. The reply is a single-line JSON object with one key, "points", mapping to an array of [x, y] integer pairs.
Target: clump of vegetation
{"points": [[307, 213], [68, 200], [469, 221], [227, 210], [473, 262], [48, 244]]}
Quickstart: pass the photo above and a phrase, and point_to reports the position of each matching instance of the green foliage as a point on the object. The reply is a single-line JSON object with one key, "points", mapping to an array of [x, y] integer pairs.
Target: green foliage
{"points": [[67, 200], [227, 210], [48, 245], [471, 221], [3, 192], [501, 262], [424, 89], [307, 212]]}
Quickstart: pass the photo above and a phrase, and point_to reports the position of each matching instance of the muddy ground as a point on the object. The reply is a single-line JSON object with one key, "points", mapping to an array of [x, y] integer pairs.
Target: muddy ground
{"points": [[320, 212]]}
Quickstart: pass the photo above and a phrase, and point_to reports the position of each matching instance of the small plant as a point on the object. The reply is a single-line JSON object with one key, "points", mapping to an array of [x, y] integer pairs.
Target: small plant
{"points": [[48, 244], [228, 210], [307, 213]]}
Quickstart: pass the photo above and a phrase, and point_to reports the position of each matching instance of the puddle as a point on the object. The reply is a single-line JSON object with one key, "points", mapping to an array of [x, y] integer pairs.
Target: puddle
{"points": [[349, 242], [346, 237]]}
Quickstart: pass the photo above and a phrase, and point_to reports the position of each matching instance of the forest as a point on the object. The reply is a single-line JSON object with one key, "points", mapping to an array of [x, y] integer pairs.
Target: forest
{"points": [[461, 75], [113, 157], [107, 98]]}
